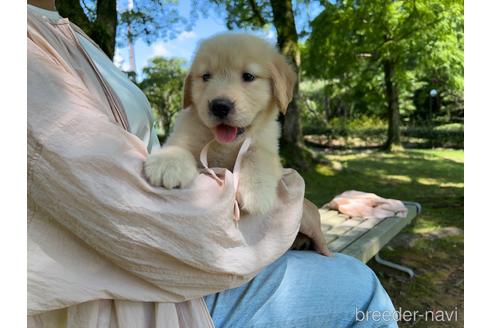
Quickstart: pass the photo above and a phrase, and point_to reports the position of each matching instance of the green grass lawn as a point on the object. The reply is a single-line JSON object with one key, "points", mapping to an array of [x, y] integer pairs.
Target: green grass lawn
{"points": [[433, 244]]}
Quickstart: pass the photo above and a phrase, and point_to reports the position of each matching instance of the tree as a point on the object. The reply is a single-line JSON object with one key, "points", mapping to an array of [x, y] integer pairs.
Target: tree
{"points": [[101, 21], [163, 84], [397, 39], [279, 13]]}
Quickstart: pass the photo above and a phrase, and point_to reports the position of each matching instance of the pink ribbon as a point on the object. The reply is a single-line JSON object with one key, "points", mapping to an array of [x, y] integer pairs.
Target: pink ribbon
{"points": [[235, 173]]}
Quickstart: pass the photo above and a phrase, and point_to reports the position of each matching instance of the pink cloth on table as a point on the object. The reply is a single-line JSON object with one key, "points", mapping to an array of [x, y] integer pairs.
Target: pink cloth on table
{"points": [[367, 205]]}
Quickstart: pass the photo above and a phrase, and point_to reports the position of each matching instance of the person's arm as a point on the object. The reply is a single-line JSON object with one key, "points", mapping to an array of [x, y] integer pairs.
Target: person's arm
{"points": [[86, 172], [311, 227]]}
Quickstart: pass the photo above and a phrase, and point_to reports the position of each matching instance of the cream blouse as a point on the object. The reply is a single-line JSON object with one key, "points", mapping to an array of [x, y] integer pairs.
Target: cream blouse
{"points": [[133, 100]]}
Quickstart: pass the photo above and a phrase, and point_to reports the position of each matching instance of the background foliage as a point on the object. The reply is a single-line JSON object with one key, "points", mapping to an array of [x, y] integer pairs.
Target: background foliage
{"points": [[359, 62], [162, 84]]}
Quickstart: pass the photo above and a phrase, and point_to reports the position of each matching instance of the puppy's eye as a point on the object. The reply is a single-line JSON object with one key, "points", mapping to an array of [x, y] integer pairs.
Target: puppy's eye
{"points": [[248, 77], [206, 77]]}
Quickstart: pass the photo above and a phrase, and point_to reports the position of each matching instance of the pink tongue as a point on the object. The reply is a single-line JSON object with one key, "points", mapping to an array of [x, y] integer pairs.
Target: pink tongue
{"points": [[225, 133]]}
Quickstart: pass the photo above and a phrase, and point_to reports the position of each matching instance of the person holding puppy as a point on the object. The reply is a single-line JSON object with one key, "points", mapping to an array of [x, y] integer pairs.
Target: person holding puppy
{"points": [[108, 249]]}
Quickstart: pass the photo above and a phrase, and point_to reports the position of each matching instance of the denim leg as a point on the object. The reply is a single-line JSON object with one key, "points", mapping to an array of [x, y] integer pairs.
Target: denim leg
{"points": [[305, 289]]}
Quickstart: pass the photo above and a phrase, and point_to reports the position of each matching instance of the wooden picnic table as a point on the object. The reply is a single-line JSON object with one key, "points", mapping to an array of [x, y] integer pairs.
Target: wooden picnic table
{"points": [[364, 238]]}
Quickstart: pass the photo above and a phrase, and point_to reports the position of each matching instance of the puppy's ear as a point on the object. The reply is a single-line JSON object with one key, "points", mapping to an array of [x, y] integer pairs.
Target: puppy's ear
{"points": [[283, 81], [187, 92]]}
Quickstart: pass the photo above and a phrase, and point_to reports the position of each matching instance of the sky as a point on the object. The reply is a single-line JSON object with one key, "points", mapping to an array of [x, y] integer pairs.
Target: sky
{"points": [[183, 46]]}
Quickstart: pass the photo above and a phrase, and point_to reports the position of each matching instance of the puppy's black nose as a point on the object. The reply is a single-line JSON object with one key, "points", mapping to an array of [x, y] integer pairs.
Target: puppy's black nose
{"points": [[220, 107]]}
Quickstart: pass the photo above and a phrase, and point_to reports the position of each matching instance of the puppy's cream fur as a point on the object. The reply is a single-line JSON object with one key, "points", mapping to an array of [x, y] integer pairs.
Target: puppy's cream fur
{"points": [[226, 58]]}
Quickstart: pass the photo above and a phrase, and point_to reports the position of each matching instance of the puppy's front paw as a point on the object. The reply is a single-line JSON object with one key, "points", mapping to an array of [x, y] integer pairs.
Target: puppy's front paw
{"points": [[257, 199], [171, 167]]}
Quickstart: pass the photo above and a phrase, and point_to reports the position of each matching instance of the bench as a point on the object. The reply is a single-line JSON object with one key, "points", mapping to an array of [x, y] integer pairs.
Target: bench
{"points": [[364, 238]]}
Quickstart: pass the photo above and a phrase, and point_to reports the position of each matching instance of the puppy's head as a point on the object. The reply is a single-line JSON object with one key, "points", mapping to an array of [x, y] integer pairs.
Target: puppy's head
{"points": [[235, 81]]}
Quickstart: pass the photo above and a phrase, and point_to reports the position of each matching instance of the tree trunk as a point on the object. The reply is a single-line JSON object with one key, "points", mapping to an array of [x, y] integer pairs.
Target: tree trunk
{"points": [[284, 21], [102, 30], [105, 26], [326, 105], [391, 86]]}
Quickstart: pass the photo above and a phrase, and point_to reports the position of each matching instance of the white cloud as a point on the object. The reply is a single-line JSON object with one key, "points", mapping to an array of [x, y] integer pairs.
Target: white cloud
{"points": [[271, 36], [119, 60], [159, 49], [186, 35]]}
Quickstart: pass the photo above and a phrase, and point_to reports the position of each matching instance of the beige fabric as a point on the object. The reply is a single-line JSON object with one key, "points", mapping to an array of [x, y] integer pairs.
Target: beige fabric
{"points": [[133, 100], [105, 247], [124, 314], [367, 205]]}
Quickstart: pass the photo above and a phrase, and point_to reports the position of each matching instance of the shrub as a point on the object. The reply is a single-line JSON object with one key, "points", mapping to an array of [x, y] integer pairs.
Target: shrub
{"points": [[368, 132]]}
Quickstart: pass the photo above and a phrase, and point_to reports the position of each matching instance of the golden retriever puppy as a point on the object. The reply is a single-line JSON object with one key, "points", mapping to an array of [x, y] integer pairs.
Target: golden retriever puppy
{"points": [[236, 87]]}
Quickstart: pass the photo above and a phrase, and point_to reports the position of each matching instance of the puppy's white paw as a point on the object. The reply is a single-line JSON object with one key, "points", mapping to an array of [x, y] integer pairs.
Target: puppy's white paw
{"points": [[171, 167], [256, 199]]}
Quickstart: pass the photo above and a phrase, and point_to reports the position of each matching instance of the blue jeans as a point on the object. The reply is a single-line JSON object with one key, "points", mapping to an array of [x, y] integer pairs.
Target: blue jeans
{"points": [[305, 289]]}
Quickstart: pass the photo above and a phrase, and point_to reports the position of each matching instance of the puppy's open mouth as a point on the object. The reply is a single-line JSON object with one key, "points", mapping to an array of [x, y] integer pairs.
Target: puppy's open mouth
{"points": [[225, 133]]}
